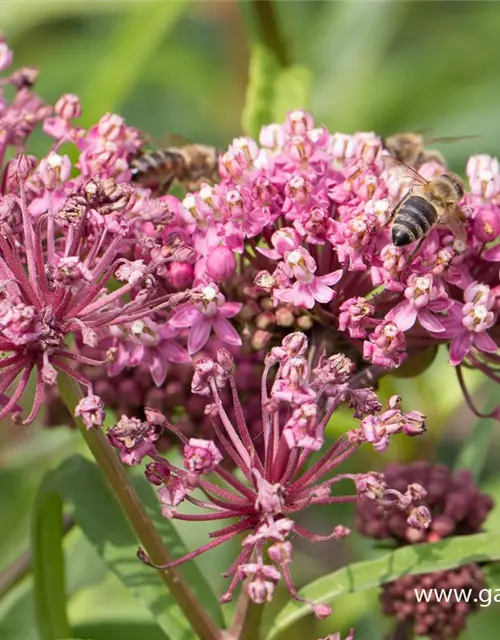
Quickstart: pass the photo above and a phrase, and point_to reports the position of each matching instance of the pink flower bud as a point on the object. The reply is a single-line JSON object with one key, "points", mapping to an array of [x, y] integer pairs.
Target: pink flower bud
{"points": [[23, 165], [180, 275], [322, 611], [201, 456], [226, 360], [487, 224], [221, 264], [68, 107]]}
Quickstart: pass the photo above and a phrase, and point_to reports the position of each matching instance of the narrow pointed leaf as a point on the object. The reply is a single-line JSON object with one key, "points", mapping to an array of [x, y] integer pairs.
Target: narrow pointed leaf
{"points": [[48, 566], [260, 90], [422, 558], [292, 90]]}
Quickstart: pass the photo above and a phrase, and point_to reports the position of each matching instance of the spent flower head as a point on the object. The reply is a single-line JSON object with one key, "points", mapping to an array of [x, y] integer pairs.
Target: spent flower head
{"points": [[275, 482]]}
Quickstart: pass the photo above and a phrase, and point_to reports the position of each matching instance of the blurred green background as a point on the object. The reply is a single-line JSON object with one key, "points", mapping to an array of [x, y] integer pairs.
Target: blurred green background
{"points": [[182, 67]]}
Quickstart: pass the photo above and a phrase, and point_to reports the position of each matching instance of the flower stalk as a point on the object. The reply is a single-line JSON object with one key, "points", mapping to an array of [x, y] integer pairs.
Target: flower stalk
{"points": [[132, 508]]}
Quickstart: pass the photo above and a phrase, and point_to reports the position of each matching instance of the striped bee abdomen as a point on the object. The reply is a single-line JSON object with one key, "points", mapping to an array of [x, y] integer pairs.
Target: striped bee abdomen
{"points": [[414, 217]]}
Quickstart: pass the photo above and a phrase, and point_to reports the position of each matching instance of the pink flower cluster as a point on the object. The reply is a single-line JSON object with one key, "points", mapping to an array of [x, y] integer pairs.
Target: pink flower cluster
{"points": [[305, 216], [277, 482], [63, 238]]}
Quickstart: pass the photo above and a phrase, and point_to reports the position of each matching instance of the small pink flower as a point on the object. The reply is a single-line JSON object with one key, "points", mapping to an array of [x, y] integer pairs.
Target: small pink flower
{"points": [[302, 429], [210, 313], [91, 410], [308, 288], [467, 324], [423, 297], [201, 456], [386, 346]]}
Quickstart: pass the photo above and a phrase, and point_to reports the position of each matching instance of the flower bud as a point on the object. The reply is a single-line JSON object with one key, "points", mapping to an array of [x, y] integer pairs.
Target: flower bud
{"points": [[23, 165], [221, 264], [179, 275]]}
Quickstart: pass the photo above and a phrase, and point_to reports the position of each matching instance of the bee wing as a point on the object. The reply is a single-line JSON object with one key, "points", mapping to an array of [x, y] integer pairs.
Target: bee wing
{"points": [[166, 141], [404, 173], [447, 139], [455, 218]]}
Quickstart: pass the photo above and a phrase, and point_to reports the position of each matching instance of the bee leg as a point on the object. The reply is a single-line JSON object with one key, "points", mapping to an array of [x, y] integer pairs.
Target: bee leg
{"points": [[411, 257], [416, 250], [164, 187]]}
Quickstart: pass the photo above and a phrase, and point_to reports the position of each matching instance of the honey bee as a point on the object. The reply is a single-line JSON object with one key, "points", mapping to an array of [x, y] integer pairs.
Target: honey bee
{"points": [[410, 148], [184, 162], [427, 203]]}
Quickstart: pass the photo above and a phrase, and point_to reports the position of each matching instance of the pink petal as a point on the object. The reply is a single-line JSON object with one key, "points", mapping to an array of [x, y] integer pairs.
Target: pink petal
{"points": [[199, 334], [174, 352], [484, 342], [460, 347], [331, 278], [429, 322], [230, 309], [272, 254], [137, 356], [493, 254], [442, 304], [158, 370], [404, 316], [185, 317], [321, 292], [225, 330]]}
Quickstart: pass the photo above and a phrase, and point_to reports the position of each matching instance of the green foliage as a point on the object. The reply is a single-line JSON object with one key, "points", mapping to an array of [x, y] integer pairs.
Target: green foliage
{"points": [[422, 558], [292, 90], [50, 596], [260, 91], [475, 449], [80, 483], [129, 50]]}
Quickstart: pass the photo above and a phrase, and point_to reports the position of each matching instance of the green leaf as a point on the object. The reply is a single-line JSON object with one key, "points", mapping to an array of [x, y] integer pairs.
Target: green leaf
{"points": [[475, 449], [48, 565], [142, 29], [292, 90], [81, 484], [421, 558], [260, 90]]}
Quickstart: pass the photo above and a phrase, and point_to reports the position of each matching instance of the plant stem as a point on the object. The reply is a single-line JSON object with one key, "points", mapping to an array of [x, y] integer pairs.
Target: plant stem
{"points": [[260, 17], [247, 619], [108, 461]]}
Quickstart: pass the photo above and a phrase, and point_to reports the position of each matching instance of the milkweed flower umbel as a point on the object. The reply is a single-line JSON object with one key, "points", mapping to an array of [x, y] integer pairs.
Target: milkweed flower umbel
{"points": [[54, 271], [275, 483], [307, 214]]}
